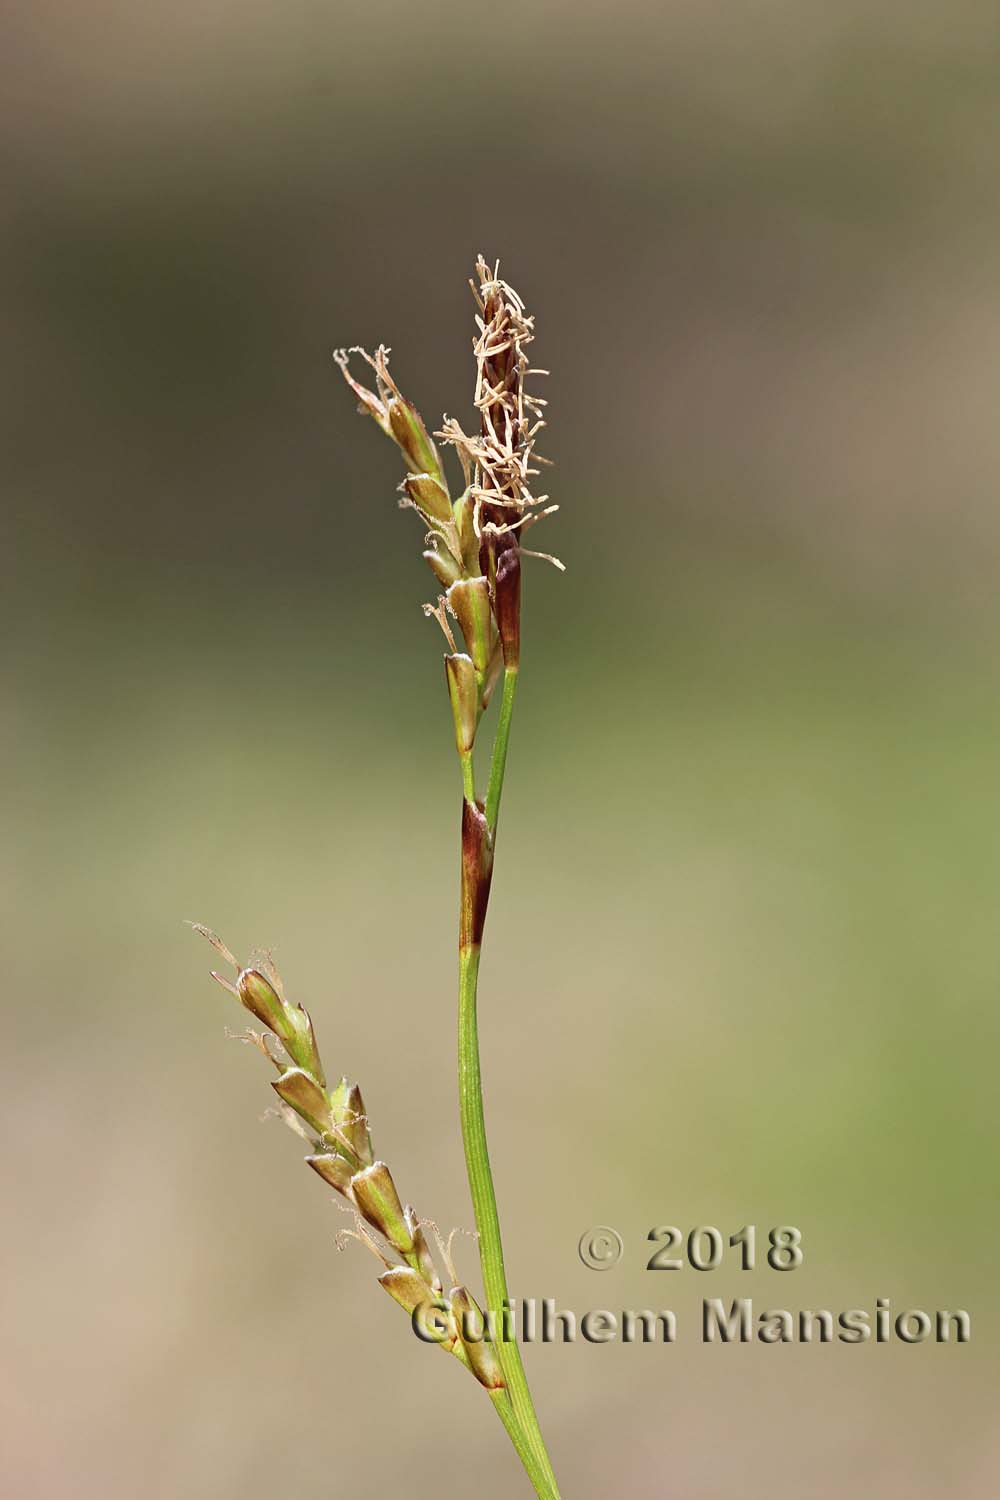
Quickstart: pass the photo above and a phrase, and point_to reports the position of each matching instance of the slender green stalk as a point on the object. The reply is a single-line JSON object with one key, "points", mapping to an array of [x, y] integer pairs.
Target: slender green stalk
{"points": [[484, 1205], [523, 1447], [477, 1158], [468, 777], [500, 744]]}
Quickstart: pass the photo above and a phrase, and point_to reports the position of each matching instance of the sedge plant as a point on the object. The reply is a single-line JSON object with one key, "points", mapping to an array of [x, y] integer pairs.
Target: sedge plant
{"points": [[473, 545]]}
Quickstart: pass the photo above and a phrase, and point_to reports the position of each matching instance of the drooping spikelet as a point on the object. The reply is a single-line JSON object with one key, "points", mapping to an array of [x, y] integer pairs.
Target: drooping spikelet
{"points": [[334, 1124]]}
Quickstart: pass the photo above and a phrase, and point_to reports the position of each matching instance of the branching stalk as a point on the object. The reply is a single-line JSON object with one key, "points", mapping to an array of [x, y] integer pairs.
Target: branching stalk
{"points": [[473, 548]]}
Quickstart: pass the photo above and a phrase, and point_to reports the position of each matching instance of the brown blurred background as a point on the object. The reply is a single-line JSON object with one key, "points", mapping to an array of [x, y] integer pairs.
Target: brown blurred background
{"points": [[743, 958]]}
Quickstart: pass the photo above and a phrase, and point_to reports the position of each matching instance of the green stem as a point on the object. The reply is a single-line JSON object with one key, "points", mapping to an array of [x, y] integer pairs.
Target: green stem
{"points": [[499, 763], [521, 1420], [468, 776], [484, 1204], [525, 1451]]}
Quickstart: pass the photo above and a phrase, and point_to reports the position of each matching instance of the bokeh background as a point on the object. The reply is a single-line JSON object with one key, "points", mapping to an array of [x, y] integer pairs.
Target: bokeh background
{"points": [[743, 959]]}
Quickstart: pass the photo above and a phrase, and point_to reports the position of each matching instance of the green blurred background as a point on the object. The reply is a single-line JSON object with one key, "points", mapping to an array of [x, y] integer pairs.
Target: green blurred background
{"points": [[742, 963]]}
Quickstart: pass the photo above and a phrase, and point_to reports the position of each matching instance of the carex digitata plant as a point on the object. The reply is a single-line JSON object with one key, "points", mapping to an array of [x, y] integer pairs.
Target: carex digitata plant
{"points": [[473, 545]]}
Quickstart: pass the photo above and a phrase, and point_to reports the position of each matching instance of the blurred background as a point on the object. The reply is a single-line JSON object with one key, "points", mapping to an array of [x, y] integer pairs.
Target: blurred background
{"points": [[742, 962]]}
